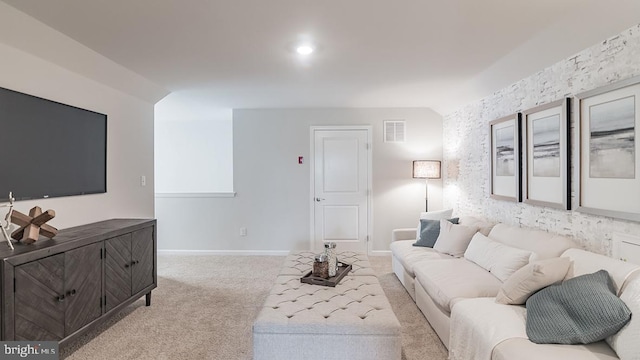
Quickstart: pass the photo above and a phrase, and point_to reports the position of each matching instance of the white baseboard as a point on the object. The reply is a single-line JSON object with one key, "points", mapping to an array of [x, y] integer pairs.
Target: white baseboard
{"points": [[195, 195], [380, 253], [225, 252], [248, 252]]}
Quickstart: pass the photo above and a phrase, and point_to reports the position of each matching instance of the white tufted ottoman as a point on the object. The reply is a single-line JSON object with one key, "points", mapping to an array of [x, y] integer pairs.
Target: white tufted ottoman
{"points": [[353, 321], [299, 263]]}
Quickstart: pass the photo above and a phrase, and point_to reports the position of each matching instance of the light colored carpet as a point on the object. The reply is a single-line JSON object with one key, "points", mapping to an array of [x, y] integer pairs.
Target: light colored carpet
{"points": [[204, 308]]}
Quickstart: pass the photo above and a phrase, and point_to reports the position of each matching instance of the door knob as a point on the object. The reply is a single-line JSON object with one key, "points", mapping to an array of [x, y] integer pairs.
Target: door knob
{"points": [[319, 199]]}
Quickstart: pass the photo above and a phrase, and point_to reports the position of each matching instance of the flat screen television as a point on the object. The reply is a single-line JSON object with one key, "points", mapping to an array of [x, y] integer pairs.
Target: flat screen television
{"points": [[49, 149]]}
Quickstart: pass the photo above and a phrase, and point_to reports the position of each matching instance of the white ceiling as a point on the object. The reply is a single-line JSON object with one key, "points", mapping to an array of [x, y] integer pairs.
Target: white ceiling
{"points": [[370, 53]]}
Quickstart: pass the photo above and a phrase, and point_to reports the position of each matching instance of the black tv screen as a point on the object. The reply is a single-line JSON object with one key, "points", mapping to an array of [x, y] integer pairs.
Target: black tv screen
{"points": [[49, 149]]}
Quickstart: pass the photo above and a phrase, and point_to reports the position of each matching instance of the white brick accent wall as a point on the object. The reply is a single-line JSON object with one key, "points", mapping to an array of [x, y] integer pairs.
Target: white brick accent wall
{"points": [[467, 144]]}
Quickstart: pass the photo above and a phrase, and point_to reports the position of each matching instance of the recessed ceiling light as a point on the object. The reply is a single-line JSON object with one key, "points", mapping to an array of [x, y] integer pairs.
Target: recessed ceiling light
{"points": [[304, 49]]}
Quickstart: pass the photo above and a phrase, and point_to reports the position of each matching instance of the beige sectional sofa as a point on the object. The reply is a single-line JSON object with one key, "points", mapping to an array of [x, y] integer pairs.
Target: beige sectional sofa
{"points": [[440, 283]]}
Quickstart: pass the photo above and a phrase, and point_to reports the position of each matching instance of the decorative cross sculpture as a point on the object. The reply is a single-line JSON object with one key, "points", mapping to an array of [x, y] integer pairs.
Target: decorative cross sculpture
{"points": [[32, 225]]}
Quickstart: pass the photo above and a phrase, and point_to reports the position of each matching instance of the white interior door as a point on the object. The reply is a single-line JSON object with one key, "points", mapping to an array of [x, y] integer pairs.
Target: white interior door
{"points": [[341, 188]]}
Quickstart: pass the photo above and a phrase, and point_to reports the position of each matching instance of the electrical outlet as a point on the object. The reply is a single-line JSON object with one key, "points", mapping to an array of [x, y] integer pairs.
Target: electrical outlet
{"points": [[243, 231], [143, 180]]}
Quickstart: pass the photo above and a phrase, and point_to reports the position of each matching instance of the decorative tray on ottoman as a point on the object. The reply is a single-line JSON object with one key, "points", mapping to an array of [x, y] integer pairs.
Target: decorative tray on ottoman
{"points": [[343, 270]]}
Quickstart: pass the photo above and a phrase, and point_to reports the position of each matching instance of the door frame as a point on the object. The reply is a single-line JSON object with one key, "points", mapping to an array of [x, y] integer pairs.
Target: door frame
{"points": [[312, 130]]}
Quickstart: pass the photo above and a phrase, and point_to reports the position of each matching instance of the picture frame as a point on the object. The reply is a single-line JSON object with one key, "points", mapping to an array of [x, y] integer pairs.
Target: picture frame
{"points": [[609, 165], [546, 159], [505, 158]]}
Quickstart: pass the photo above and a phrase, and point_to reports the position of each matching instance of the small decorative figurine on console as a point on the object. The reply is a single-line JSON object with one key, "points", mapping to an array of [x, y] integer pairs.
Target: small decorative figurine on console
{"points": [[7, 220], [32, 225]]}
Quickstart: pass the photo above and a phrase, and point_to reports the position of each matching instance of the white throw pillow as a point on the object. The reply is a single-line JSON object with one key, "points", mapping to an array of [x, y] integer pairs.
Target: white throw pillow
{"points": [[433, 215], [531, 278], [499, 259], [625, 343], [436, 215], [454, 239]]}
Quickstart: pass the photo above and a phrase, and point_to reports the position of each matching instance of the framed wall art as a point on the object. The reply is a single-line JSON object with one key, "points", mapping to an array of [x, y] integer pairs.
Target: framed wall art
{"points": [[505, 158], [545, 155], [609, 163]]}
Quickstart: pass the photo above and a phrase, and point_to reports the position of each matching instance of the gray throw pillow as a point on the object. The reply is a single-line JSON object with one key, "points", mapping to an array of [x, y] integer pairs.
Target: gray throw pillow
{"points": [[581, 310], [429, 231]]}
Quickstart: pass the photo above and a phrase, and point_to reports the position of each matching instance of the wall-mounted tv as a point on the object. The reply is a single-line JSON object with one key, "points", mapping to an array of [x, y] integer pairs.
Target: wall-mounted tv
{"points": [[49, 149]]}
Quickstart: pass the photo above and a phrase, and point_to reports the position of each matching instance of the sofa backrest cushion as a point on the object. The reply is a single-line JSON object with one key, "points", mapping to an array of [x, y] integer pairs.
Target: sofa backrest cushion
{"points": [[625, 343], [586, 262], [545, 245], [484, 227], [499, 259]]}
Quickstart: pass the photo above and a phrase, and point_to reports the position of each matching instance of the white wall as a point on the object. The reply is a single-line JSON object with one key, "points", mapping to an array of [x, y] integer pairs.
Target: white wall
{"points": [[130, 124], [193, 148], [467, 144], [272, 199]]}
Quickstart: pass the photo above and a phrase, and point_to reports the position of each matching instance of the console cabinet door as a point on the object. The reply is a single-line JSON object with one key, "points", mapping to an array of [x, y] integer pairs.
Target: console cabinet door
{"points": [[83, 286], [39, 300], [142, 252], [117, 270]]}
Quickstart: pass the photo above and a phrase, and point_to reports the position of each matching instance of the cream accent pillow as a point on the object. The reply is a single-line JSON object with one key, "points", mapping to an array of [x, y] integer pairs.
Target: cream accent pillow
{"points": [[531, 278], [625, 343], [499, 259], [454, 239]]}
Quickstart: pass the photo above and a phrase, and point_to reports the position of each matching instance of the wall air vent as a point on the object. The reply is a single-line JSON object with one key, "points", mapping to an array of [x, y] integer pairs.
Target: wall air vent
{"points": [[394, 131]]}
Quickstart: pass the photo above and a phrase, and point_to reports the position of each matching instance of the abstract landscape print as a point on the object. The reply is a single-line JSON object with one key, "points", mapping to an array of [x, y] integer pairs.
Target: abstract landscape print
{"points": [[612, 139], [505, 151], [546, 146]]}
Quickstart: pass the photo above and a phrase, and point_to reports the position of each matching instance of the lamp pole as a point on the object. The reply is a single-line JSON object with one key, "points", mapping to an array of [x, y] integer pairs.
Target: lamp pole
{"points": [[426, 195]]}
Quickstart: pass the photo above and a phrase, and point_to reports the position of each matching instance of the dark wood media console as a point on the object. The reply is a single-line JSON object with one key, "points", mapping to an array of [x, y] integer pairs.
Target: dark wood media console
{"points": [[60, 288]]}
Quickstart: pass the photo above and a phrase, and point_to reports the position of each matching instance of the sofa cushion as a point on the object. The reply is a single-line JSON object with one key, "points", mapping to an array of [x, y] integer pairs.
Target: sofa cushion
{"points": [[626, 342], [408, 255], [445, 280], [478, 325], [523, 349], [454, 239], [531, 278], [545, 245], [429, 232], [499, 259], [586, 262], [581, 310]]}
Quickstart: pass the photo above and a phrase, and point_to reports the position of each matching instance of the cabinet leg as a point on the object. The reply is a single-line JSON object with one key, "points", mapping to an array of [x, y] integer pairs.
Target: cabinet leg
{"points": [[148, 298]]}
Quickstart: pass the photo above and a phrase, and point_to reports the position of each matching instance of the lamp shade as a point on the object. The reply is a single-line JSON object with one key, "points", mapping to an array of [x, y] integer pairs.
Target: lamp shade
{"points": [[426, 169]]}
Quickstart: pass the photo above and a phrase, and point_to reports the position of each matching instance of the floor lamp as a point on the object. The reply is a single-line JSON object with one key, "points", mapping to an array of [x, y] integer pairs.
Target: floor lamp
{"points": [[426, 169]]}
